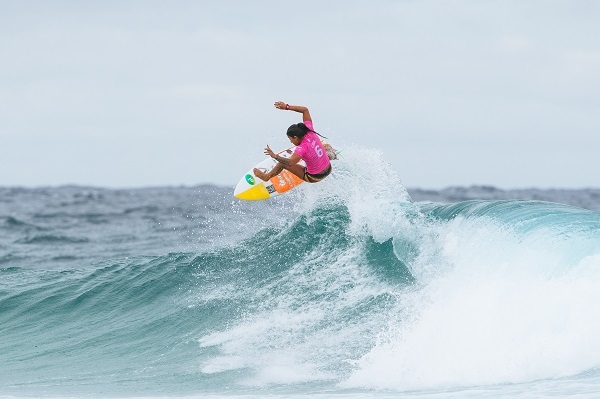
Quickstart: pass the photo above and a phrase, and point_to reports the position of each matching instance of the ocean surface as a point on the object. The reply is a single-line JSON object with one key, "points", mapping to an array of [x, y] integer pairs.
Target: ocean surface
{"points": [[338, 290]]}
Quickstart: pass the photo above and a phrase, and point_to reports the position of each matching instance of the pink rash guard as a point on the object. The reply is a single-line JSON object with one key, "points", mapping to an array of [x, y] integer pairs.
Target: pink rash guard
{"points": [[312, 152]]}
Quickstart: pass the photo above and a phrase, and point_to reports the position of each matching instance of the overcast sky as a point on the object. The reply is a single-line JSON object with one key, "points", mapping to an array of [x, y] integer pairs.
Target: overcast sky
{"points": [[453, 92]]}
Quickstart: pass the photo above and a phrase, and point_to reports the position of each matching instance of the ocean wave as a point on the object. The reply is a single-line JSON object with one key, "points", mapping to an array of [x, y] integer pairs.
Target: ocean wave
{"points": [[336, 287]]}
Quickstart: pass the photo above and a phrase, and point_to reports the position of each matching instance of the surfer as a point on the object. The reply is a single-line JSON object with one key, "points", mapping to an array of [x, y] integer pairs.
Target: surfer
{"points": [[308, 148]]}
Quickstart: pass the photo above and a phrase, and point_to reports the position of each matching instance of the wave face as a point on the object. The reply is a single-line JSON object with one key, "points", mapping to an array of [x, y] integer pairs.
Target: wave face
{"points": [[338, 288]]}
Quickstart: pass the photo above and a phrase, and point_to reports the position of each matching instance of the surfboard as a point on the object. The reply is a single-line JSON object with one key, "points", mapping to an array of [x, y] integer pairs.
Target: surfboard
{"points": [[252, 188]]}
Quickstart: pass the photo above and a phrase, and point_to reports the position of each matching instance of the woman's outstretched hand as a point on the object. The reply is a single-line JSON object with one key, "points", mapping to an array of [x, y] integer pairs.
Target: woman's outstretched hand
{"points": [[269, 152], [280, 105]]}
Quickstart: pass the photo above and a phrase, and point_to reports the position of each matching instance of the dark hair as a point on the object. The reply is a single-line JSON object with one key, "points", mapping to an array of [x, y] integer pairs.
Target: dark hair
{"points": [[300, 130]]}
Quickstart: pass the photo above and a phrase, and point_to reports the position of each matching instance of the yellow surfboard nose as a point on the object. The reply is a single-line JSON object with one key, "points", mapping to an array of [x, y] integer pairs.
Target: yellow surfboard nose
{"points": [[255, 193]]}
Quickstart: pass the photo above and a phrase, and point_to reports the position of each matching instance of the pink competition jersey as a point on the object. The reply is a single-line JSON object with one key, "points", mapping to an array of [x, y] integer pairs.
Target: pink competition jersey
{"points": [[312, 152]]}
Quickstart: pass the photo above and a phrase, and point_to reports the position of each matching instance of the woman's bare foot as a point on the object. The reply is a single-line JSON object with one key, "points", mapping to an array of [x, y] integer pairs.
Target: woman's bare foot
{"points": [[261, 175]]}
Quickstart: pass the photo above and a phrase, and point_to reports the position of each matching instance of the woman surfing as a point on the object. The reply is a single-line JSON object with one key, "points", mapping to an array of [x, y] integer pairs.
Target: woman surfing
{"points": [[308, 148]]}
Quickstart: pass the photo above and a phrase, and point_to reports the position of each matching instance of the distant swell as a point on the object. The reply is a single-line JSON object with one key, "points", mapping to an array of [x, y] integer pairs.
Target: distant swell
{"points": [[11, 223], [53, 239]]}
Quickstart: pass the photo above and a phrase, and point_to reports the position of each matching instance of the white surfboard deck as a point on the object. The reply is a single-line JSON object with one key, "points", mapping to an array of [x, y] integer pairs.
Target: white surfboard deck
{"points": [[252, 188]]}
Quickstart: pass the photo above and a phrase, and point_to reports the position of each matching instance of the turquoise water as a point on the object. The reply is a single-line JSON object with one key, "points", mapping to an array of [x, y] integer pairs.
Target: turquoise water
{"points": [[328, 292]]}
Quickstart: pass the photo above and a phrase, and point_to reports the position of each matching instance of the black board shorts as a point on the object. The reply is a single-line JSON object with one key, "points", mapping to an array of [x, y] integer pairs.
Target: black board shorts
{"points": [[310, 178]]}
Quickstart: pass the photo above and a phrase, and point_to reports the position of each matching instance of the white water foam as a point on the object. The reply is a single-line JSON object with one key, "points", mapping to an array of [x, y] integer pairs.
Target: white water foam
{"points": [[291, 338], [494, 307]]}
